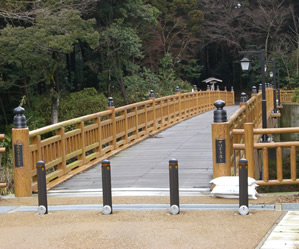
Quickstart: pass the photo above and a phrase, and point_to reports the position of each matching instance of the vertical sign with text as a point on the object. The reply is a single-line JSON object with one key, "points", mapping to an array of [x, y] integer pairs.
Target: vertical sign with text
{"points": [[220, 151]]}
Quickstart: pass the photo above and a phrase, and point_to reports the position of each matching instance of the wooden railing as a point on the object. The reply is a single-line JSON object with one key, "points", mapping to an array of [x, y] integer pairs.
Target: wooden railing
{"points": [[2, 150], [249, 146], [72, 146], [286, 96], [223, 137]]}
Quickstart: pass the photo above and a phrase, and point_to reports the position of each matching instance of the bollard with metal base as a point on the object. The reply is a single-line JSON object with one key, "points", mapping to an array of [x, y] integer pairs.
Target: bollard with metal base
{"points": [[174, 186], [42, 188], [243, 187], [106, 184]]}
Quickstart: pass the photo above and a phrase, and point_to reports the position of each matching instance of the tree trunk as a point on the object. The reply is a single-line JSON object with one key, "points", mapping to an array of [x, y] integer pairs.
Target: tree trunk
{"points": [[54, 109]]}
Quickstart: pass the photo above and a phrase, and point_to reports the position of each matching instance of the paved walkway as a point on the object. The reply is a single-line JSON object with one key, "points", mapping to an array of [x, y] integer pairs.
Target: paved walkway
{"points": [[285, 234], [145, 165]]}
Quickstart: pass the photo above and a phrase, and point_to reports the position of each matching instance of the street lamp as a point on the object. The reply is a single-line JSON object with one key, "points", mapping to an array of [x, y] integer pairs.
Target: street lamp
{"points": [[273, 75], [244, 61], [278, 81]]}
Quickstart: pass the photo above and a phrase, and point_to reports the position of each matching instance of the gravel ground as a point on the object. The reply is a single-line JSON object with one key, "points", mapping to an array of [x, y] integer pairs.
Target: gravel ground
{"points": [[140, 229]]}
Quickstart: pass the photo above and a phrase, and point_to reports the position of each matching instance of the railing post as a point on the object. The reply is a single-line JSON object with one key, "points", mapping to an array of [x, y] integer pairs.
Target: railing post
{"points": [[42, 188], [21, 155], [233, 95], [174, 186], [152, 97], [249, 148], [243, 186], [221, 142], [112, 108], [177, 92], [106, 186]]}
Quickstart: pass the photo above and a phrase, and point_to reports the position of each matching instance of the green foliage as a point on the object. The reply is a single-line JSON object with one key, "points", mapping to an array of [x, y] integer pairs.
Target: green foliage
{"points": [[81, 103], [295, 97]]}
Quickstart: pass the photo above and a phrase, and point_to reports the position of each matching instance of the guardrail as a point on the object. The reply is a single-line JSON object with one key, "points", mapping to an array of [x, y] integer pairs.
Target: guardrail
{"points": [[286, 96], [223, 137], [69, 147], [249, 146]]}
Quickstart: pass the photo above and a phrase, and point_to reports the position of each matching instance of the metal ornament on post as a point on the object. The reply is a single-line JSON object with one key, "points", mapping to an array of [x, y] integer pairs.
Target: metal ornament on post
{"points": [[220, 115], [243, 98], [254, 91], [152, 94], [19, 120], [110, 102], [177, 89]]}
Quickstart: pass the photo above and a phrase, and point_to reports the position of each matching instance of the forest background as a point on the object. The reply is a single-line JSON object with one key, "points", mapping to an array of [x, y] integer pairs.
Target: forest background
{"points": [[62, 59]]}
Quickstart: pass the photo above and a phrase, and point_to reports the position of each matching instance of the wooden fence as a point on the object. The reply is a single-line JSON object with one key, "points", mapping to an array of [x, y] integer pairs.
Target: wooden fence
{"points": [[72, 146], [241, 136], [286, 96], [249, 146], [223, 137]]}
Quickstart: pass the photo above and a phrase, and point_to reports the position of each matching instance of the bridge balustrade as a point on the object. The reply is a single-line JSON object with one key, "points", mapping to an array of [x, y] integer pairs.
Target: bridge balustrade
{"points": [[72, 146], [286, 96], [249, 146], [223, 138]]}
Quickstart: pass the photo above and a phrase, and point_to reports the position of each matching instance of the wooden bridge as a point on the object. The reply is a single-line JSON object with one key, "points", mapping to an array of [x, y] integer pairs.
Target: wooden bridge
{"points": [[73, 146]]}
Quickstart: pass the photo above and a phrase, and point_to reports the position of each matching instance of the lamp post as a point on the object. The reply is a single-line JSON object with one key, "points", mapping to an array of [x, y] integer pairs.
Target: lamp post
{"points": [[245, 66], [278, 81], [273, 75]]}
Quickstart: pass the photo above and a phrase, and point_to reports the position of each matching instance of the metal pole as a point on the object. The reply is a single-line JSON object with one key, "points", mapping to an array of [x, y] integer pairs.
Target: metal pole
{"points": [[278, 77], [174, 186], [106, 185], [264, 103], [243, 186], [42, 188]]}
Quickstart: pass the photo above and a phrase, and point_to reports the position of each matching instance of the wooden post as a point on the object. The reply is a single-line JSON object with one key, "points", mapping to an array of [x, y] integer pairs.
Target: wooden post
{"points": [[249, 150], [180, 102], [21, 155], [220, 142], [152, 97], [112, 108]]}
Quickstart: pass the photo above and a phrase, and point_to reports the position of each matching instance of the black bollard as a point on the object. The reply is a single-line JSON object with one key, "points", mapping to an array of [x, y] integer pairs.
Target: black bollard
{"points": [[42, 188], [243, 186], [174, 186], [106, 184]]}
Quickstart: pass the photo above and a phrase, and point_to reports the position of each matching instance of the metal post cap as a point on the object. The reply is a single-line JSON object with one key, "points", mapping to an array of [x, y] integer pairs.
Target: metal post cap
{"points": [[105, 162], [110, 102], [243, 98], [220, 114], [19, 120], [243, 161], [254, 90], [232, 88], [177, 89], [152, 94], [40, 163], [260, 87], [173, 160], [195, 87]]}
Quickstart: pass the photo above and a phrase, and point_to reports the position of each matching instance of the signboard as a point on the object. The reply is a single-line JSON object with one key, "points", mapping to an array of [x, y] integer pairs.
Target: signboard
{"points": [[19, 161], [220, 151]]}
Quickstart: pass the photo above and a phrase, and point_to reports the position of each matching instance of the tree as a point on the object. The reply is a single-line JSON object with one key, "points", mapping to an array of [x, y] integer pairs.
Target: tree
{"points": [[37, 53]]}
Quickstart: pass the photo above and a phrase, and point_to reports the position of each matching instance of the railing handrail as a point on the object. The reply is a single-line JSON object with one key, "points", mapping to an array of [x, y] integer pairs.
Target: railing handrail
{"points": [[82, 142]]}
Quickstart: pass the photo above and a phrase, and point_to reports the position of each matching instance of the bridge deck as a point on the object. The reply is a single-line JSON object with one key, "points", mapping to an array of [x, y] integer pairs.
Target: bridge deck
{"points": [[145, 165]]}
